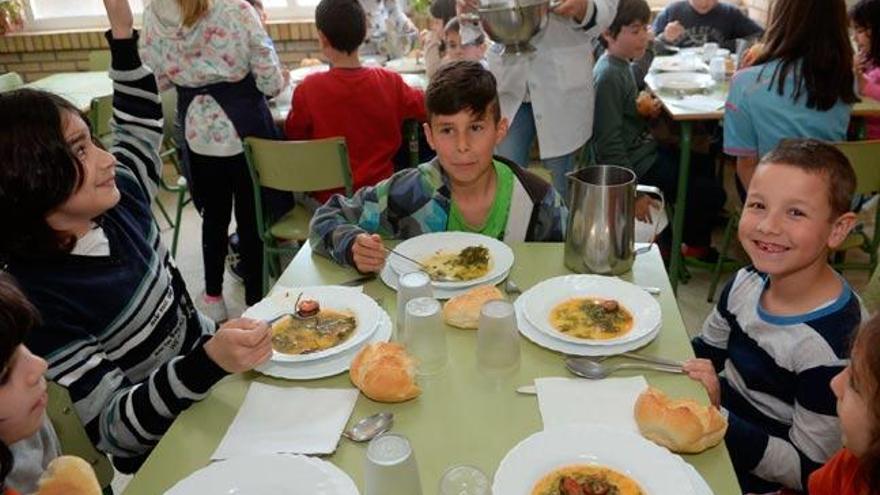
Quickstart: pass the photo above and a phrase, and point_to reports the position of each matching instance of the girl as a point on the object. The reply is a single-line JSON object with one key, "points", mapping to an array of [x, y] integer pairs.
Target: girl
{"points": [[224, 66], [855, 470], [798, 88], [865, 16], [119, 329]]}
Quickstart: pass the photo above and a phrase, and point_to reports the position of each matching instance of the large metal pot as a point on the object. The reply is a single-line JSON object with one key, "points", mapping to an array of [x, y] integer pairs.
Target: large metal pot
{"points": [[514, 24], [601, 225]]}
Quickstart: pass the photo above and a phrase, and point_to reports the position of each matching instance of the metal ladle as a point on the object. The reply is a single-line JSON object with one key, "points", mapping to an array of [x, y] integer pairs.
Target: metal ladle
{"points": [[369, 427]]}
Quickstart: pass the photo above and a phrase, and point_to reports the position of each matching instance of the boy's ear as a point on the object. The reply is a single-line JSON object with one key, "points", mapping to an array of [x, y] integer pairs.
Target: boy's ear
{"points": [[841, 228], [322, 41], [501, 130], [429, 136], [606, 35]]}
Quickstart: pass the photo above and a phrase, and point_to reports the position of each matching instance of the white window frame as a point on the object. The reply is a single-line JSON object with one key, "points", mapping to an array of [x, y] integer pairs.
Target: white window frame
{"points": [[294, 10]]}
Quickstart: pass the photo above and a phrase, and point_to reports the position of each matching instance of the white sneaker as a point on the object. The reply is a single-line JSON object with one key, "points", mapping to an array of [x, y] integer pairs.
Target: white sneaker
{"points": [[214, 309]]}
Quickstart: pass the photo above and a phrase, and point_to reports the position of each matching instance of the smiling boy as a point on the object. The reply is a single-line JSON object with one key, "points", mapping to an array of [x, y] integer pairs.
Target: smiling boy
{"points": [[462, 189], [782, 327]]}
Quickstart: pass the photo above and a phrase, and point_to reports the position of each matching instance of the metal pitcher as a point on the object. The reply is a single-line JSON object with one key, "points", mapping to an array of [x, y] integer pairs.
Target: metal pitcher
{"points": [[601, 223]]}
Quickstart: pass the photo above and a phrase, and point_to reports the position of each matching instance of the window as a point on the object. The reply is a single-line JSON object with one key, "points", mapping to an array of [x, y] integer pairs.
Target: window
{"points": [[289, 9]]}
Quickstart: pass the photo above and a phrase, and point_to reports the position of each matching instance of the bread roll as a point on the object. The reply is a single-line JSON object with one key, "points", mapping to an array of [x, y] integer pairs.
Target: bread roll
{"points": [[310, 62], [645, 104], [68, 475], [384, 372], [681, 425], [463, 311]]}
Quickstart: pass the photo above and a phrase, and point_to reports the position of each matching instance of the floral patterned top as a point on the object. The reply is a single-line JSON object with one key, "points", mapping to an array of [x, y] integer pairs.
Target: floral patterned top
{"points": [[390, 33], [223, 46]]}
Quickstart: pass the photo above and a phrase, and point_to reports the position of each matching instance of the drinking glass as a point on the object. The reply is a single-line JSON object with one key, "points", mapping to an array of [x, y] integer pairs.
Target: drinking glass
{"points": [[498, 346], [426, 335], [464, 480], [709, 51], [410, 286], [390, 467]]}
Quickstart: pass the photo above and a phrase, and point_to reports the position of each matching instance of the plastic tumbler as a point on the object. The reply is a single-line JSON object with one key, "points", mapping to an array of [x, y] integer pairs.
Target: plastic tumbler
{"points": [[498, 346], [410, 286], [426, 335], [390, 467]]}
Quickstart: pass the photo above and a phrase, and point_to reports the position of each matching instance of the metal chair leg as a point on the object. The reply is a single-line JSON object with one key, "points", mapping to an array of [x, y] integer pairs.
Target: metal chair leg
{"points": [[725, 246], [181, 202]]}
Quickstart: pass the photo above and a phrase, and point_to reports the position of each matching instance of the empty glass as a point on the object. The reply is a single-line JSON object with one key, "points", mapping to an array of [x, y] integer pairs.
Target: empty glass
{"points": [[426, 335], [464, 480], [390, 467], [497, 338], [709, 51], [410, 286]]}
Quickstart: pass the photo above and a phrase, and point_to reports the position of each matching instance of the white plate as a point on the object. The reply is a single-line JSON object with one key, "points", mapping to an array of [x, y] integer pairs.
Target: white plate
{"points": [[542, 339], [405, 65], [299, 74], [656, 470], [684, 81], [424, 246], [390, 278], [277, 474], [678, 63], [330, 366], [697, 482], [540, 300], [345, 299]]}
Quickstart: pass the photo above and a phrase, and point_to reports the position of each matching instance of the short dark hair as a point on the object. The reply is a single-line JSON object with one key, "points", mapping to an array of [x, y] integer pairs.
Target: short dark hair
{"points": [[628, 12], [866, 15], [38, 172], [462, 85], [816, 157], [442, 9], [343, 23], [454, 26], [17, 317]]}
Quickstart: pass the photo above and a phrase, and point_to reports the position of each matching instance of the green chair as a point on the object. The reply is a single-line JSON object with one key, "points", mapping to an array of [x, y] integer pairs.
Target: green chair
{"points": [[169, 153], [294, 166], [73, 437], [100, 114], [99, 60], [10, 81], [871, 293], [862, 156]]}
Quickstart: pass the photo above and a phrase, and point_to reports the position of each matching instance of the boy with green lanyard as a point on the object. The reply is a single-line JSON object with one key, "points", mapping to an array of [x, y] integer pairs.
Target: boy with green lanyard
{"points": [[462, 189]]}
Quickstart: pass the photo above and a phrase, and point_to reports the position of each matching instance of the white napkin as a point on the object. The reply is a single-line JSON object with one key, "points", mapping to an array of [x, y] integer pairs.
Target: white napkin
{"points": [[698, 103], [287, 420], [607, 402], [645, 231]]}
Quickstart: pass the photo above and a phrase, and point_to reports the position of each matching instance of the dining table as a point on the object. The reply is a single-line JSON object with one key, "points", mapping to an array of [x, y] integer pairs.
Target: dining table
{"points": [[677, 107], [463, 415]]}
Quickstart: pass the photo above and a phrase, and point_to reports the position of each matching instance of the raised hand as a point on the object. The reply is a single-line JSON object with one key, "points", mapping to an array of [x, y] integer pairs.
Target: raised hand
{"points": [[575, 9], [121, 21]]}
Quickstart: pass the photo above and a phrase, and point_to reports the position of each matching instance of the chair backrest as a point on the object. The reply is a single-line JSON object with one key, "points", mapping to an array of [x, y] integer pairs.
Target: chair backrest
{"points": [[100, 113], [863, 157], [299, 166], [99, 60], [10, 81], [72, 435]]}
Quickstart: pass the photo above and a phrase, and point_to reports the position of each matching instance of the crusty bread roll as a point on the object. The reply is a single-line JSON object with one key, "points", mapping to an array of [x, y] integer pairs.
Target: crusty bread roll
{"points": [[463, 311], [384, 372], [681, 425], [645, 104], [310, 62], [68, 475]]}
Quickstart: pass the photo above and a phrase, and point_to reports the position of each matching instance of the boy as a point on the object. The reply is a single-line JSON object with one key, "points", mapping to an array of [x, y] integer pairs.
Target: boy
{"points": [[696, 22], [621, 135], [365, 105], [119, 329], [462, 189], [455, 49], [782, 327]]}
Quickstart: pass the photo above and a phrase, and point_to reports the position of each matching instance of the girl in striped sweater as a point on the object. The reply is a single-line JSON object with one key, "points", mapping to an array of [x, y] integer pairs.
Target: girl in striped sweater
{"points": [[119, 329]]}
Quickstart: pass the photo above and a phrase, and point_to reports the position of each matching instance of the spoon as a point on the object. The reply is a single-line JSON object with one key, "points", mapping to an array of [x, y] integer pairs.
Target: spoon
{"points": [[595, 371], [369, 427]]}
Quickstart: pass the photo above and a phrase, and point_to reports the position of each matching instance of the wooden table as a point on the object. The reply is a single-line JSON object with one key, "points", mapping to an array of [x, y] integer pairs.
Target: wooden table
{"points": [[79, 88], [462, 417], [685, 118]]}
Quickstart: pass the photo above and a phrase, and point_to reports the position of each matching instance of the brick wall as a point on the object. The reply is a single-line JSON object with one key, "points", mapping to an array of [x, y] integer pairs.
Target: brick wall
{"points": [[35, 56]]}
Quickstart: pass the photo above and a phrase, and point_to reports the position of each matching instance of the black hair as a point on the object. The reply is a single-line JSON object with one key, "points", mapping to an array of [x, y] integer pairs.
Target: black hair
{"points": [[442, 9], [343, 23], [454, 26], [462, 85], [628, 12], [866, 15], [810, 40], [17, 317], [39, 172]]}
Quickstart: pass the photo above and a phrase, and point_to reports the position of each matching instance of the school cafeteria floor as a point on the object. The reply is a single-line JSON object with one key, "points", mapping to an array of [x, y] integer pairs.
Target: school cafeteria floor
{"points": [[691, 296]]}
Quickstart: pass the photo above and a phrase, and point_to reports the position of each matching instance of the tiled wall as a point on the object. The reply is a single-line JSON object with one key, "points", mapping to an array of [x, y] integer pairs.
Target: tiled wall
{"points": [[38, 55]]}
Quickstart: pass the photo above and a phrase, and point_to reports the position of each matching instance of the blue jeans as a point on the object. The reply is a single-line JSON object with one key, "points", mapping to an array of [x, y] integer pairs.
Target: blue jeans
{"points": [[519, 139]]}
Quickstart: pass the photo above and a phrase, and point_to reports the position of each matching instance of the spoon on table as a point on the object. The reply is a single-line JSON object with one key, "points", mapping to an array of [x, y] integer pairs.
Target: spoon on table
{"points": [[593, 370], [369, 427]]}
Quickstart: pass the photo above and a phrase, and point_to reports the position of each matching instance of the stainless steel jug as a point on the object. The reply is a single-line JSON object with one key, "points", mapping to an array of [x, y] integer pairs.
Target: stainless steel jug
{"points": [[601, 224]]}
